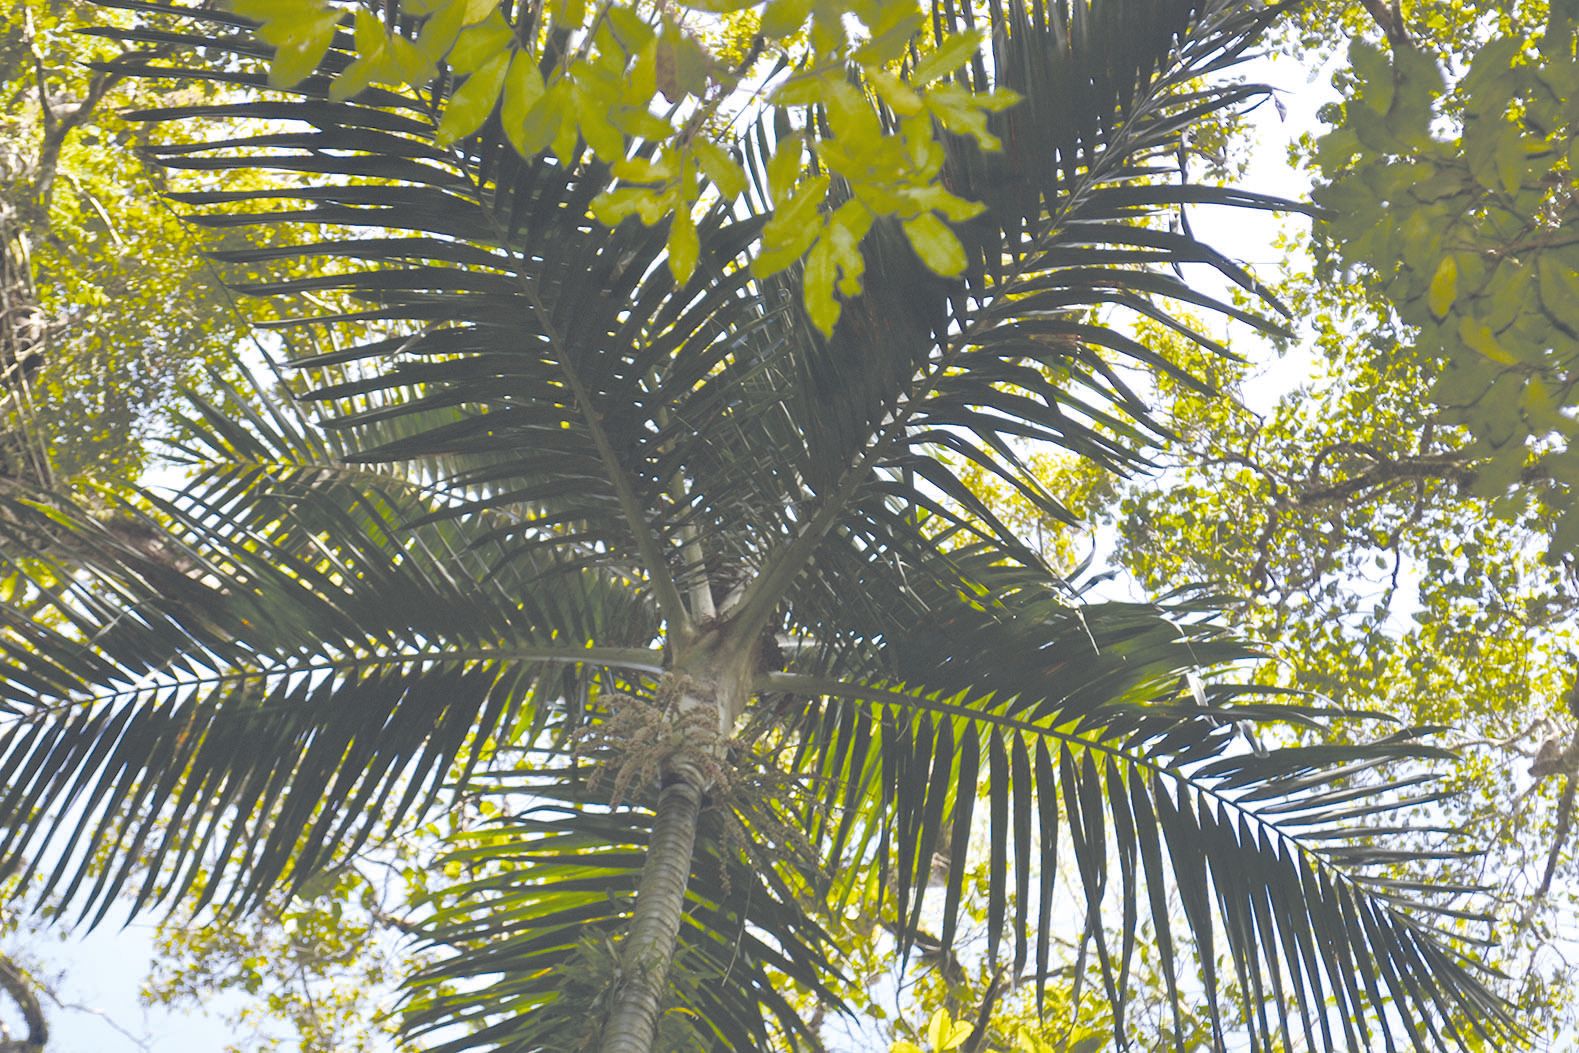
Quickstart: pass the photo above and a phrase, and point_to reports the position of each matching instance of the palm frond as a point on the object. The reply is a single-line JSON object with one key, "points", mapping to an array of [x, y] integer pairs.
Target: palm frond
{"points": [[1065, 729], [561, 363], [273, 663], [1030, 347], [527, 936]]}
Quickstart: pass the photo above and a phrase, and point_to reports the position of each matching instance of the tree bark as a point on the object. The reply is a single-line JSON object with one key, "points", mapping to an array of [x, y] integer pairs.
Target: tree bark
{"points": [[660, 897], [15, 984]]}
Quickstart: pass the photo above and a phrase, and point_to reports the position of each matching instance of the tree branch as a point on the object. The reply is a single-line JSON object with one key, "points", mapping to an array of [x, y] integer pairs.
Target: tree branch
{"points": [[989, 1002], [1447, 467], [1390, 19], [19, 988]]}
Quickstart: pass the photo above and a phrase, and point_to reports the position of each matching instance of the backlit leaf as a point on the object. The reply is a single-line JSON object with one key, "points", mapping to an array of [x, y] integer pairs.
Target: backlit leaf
{"points": [[474, 100], [936, 244]]}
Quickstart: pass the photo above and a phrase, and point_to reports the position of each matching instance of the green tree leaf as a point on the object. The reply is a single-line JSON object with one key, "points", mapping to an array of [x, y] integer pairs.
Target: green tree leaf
{"points": [[474, 100], [948, 57], [821, 271], [684, 246], [723, 170], [480, 44], [523, 91], [301, 33], [1444, 287], [936, 244]]}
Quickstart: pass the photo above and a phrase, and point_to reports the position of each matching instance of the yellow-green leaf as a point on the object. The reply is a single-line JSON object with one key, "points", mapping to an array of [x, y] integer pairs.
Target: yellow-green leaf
{"points": [[1480, 338], [642, 82], [369, 33], [476, 10], [523, 90], [891, 37], [1375, 72], [784, 167], [408, 64], [802, 206], [809, 87], [851, 115], [782, 17], [1509, 160], [613, 206], [936, 244], [949, 56], [958, 109], [567, 141], [846, 228], [641, 170], [934, 197], [715, 162], [1540, 408], [473, 101], [899, 96], [481, 43], [568, 14], [372, 47], [1027, 1042], [630, 29], [1559, 290], [782, 246], [257, 10], [592, 114], [353, 79], [301, 45], [281, 19], [1444, 287], [998, 99], [681, 64], [794, 227], [684, 246], [817, 281], [945, 1033], [438, 33]]}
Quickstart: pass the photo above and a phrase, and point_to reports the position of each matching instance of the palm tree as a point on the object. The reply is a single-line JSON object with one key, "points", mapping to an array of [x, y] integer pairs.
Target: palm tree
{"points": [[543, 524]]}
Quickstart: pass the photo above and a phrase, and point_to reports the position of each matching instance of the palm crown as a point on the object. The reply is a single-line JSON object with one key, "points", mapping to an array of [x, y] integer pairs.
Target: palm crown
{"points": [[545, 521]]}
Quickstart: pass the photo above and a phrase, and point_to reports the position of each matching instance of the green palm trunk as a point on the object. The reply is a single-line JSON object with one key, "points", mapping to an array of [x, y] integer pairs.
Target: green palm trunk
{"points": [[660, 899]]}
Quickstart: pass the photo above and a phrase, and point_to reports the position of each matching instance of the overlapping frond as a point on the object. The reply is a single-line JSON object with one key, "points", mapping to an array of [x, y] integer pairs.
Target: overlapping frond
{"points": [[527, 938], [605, 405], [1077, 737], [271, 664], [924, 377]]}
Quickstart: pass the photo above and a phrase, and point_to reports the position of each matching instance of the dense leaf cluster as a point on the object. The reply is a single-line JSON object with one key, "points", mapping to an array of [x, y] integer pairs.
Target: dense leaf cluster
{"points": [[1469, 234]]}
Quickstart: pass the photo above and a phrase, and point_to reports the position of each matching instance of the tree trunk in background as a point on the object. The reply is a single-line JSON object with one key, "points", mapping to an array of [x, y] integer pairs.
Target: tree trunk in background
{"points": [[23, 328]]}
